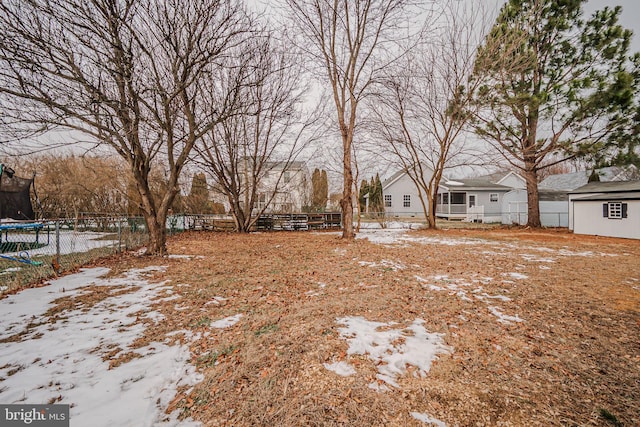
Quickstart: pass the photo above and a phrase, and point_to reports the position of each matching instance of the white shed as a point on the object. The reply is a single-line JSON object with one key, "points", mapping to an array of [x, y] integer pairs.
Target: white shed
{"points": [[606, 209]]}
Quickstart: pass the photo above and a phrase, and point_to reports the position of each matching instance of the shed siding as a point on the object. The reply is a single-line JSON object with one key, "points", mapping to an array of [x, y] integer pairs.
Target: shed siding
{"points": [[588, 219]]}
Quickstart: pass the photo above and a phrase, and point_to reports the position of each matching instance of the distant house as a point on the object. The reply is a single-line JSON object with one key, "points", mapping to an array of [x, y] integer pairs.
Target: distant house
{"points": [[291, 183], [400, 195], [477, 199], [606, 209]]}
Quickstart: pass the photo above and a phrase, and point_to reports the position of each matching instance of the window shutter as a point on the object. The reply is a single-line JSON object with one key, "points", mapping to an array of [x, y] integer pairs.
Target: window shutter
{"points": [[624, 210], [605, 210]]}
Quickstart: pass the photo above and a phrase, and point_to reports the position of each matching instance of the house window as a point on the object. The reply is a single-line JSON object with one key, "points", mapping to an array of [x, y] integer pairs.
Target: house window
{"points": [[445, 198], [458, 198], [614, 210], [287, 177], [493, 197], [406, 201], [387, 200]]}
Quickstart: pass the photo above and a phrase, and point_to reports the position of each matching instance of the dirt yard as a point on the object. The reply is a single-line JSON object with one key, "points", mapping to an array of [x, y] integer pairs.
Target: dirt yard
{"points": [[528, 328]]}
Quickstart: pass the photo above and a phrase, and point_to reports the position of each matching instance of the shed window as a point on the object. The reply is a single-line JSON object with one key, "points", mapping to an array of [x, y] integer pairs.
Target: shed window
{"points": [[614, 210], [493, 197], [387, 200], [406, 201]]}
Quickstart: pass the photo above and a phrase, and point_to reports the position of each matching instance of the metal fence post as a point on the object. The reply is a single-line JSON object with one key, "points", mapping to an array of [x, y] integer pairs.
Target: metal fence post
{"points": [[119, 235], [57, 242]]}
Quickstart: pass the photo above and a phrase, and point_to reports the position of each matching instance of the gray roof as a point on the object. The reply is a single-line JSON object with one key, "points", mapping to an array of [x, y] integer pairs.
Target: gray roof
{"points": [[294, 165], [493, 177], [474, 184], [608, 187], [609, 196], [396, 176], [571, 181]]}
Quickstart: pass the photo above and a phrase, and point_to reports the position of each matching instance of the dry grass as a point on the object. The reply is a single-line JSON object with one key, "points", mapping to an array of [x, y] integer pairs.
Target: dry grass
{"points": [[574, 360]]}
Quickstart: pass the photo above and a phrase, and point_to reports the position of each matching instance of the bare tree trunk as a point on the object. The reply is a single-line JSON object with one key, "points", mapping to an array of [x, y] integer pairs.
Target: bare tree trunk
{"points": [[431, 220], [347, 192], [157, 236]]}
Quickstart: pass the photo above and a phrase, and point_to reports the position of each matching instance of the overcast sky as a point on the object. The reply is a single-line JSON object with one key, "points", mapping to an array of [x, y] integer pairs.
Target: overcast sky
{"points": [[630, 17]]}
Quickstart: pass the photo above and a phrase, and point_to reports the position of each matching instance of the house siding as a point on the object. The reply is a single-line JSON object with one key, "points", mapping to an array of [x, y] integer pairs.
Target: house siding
{"points": [[514, 181], [292, 194], [397, 190]]}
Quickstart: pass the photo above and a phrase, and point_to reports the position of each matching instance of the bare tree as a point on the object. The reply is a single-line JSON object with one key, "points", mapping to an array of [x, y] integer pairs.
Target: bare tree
{"points": [[264, 136], [421, 110], [349, 41], [130, 74]]}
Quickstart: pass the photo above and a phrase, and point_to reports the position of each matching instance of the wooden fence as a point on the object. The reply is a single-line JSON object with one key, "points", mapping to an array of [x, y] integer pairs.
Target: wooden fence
{"points": [[268, 222]]}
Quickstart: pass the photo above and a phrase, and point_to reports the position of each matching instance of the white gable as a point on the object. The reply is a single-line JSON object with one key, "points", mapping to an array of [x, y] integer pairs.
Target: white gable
{"points": [[513, 180]]}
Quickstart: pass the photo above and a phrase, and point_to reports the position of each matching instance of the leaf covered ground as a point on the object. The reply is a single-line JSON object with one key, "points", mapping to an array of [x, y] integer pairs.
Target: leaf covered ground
{"points": [[536, 328], [543, 326]]}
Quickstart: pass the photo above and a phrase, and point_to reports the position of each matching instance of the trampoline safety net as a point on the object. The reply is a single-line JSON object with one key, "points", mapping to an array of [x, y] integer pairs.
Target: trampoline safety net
{"points": [[15, 199]]}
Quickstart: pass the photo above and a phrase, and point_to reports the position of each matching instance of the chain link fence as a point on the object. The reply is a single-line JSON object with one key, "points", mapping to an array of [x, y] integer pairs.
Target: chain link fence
{"points": [[32, 252]]}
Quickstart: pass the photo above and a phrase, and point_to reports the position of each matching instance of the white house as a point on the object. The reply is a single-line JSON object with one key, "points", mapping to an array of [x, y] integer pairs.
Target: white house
{"points": [[606, 209], [477, 199], [291, 183], [400, 195]]}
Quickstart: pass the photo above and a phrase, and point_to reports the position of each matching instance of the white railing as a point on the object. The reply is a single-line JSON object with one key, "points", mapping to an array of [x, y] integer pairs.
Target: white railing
{"points": [[475, 214]]}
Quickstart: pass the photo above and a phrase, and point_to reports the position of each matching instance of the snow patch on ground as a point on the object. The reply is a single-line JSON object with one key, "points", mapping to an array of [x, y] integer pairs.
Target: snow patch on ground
{"points": [[503, 318], [61, 359], [217, 300], [518, 276], [385, 264], [187, 257], [427, 419], [392, 350], [227, 322], [402, 236], [341, 368], [70, 242], [461, 287]]}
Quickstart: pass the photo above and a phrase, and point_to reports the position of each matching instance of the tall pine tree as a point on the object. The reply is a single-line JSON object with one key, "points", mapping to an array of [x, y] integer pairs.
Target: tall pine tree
{"points": [[320, 190], [554, 86], [363, 195]]}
